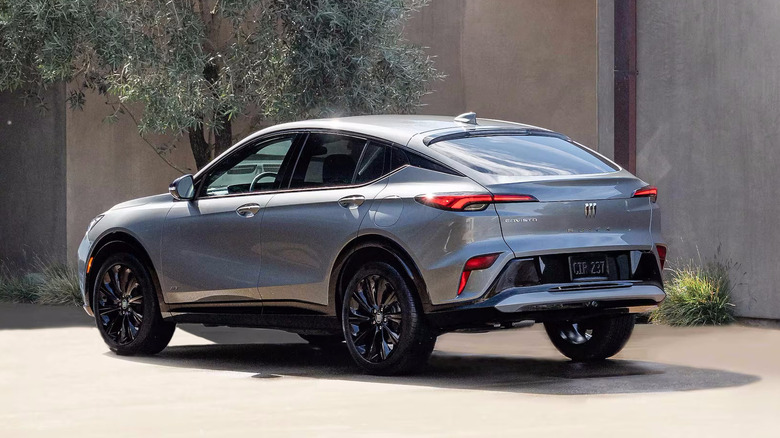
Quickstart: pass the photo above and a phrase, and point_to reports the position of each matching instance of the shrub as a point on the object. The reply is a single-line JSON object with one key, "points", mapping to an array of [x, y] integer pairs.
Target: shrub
{"points": [[17, 289], [60, 286], [53, 284], [697, 295]]}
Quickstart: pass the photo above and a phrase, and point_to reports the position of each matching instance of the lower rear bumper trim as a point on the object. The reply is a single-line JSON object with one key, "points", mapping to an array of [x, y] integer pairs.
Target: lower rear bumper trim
{"points": [[539, 300]]}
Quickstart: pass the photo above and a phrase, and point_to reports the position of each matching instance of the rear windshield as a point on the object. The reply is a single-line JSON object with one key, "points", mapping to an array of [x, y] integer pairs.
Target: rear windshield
{"points": [[523, 156]]}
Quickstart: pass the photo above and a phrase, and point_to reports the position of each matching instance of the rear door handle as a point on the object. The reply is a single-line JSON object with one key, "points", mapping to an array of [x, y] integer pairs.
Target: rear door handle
{"points": [[353, 201], [248, 210]]}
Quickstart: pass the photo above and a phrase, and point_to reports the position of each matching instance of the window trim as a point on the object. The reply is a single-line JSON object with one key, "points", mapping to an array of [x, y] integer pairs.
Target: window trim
{"points": [[199, 183], [301, 135]]}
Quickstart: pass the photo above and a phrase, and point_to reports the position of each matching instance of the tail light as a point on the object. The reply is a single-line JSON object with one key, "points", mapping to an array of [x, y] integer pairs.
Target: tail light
{"points": [[475, 264], [468, 201], [648, 192], [661, 254]]}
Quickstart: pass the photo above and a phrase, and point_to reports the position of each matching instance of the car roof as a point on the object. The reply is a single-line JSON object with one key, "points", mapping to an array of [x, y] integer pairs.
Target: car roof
{"points": [[396, 128]]}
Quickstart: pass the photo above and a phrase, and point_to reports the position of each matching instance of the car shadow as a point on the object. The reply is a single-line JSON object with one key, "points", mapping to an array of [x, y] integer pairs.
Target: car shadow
{"points": [[450, 370]]}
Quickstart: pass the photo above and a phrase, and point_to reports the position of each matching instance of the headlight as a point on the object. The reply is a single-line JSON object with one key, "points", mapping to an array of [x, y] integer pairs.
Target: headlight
{"points": [[94, 222]]}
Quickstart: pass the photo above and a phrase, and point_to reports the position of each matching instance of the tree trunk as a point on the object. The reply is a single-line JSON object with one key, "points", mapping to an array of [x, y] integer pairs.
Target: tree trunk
{"points": [[201, 149], [223, 137]]}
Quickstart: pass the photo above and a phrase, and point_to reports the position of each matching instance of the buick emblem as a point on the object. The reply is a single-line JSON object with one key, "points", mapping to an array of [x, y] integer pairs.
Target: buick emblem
{"points": [[590, 209]]}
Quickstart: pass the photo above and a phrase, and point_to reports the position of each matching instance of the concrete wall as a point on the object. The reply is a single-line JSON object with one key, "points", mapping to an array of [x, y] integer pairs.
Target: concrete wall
{"points": [[708, 116], [606, 81], [533, 61], [32, 179], [110, 163]]}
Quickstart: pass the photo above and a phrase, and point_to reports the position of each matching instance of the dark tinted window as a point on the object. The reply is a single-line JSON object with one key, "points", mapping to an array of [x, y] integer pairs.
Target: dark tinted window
{"points": [[401, 158], [398, 159], [327, 160], [523, 156], [371, 164]]}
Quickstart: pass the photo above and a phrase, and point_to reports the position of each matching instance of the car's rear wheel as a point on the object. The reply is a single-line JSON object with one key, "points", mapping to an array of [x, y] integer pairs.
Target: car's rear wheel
{"points": [[591, 339], [384, 326], [126, 309]]}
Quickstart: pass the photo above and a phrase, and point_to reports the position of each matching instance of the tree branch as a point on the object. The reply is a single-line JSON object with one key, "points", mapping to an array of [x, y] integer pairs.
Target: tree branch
{"points": [[154, 148]]}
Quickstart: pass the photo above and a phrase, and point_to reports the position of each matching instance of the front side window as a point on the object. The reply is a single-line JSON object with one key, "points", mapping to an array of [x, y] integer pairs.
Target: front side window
{"points": [[253, 169], [329, 160]]}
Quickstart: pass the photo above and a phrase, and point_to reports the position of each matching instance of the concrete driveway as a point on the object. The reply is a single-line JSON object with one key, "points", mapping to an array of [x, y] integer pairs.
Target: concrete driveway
{"points": [[58, 379]]}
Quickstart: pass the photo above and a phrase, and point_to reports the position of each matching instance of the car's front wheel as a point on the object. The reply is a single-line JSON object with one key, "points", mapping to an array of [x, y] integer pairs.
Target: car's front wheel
{"points": [[126, 308], [591, 339], [384, 326]]}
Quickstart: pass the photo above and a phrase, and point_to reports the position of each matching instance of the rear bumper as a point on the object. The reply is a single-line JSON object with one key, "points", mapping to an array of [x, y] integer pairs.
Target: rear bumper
{"points": [[551, 302], [535, 301]]}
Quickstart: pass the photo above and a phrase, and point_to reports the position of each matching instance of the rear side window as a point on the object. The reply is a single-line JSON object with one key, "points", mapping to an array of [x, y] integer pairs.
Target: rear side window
{"points": [[401, 158], [523, 156], [327, 160], [371, 164]]}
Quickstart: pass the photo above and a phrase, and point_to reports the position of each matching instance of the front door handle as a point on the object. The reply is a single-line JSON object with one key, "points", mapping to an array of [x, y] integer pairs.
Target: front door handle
{"points": [[248, 210], [353, 201]]}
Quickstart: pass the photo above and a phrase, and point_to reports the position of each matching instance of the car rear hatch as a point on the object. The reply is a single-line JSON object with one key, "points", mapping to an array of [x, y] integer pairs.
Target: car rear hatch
{"points": [[582, 202], [574, 215]]}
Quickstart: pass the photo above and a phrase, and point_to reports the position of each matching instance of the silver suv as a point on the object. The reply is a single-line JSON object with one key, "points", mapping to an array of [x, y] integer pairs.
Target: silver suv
{"points": [[382, 232]]}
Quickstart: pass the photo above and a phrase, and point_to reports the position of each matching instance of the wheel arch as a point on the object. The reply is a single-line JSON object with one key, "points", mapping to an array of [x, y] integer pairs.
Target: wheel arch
{"points": [[111, 243], [374, 247]]}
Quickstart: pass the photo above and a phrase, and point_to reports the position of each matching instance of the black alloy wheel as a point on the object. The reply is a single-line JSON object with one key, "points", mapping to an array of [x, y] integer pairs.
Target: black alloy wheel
{"points": [[120, 306], [126, 309], [384, 326], [591, 339], [375, 318]]}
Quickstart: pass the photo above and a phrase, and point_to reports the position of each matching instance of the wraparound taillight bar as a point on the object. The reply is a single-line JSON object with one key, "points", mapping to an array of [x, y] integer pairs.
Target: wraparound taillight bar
{"points": [[647, 191], [468, 201]]}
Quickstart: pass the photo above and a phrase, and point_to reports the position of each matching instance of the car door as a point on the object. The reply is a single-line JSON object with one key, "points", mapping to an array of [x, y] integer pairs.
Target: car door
{"points": [[335, 179], [211, 246]]}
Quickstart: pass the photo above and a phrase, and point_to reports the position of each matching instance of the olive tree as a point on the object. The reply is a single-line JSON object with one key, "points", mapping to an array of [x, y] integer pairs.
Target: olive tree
{"points": [[195, 66]]}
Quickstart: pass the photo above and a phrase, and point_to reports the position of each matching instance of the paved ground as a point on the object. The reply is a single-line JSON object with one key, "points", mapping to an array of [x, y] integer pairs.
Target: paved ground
{"points": [[59, 380]]}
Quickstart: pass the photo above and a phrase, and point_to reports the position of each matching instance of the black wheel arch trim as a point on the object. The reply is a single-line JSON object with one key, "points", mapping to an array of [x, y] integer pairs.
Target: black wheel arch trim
{"points": [[394, 253], [102, 249]]}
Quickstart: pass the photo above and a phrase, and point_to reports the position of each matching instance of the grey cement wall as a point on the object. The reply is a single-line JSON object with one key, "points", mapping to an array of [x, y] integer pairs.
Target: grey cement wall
{"points": [[110, 163], [708, 134], [606, 81], [32, 179], [533, 61]]}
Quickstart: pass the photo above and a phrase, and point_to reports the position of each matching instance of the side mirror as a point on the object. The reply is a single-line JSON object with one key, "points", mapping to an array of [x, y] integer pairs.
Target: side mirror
{"points": [[182, 188]]}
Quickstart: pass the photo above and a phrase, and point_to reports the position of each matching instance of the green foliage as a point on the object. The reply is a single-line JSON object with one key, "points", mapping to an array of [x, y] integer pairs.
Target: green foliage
{"points": [[697, 295], [197, 65], [17, 289], [53, 284]]}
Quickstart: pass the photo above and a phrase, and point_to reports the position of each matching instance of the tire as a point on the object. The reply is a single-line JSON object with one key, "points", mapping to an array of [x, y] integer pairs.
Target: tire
{"points": [[591, 339], [324, 341], [383, 322], [127, 313]]}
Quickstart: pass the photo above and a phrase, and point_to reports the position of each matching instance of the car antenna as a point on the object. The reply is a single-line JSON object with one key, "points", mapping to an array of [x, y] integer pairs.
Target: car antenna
{"points": [[470, 118]]}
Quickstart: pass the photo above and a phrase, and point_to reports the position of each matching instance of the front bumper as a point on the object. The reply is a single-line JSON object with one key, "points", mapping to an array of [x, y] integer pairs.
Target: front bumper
{"points": [[83, 256], [551, 302]]}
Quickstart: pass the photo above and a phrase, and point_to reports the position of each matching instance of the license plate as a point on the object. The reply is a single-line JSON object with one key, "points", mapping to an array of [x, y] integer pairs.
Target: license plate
{"points": [[590, 266]]}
